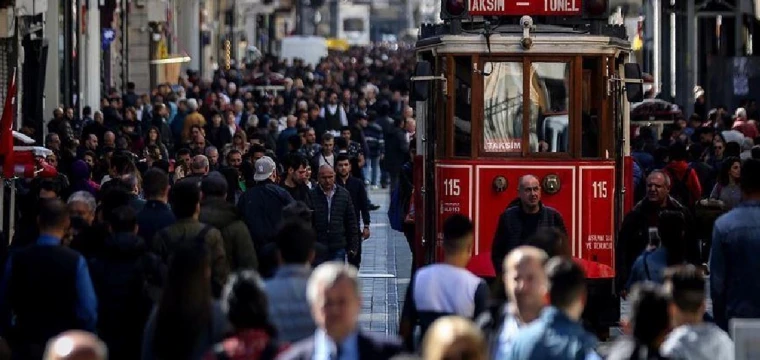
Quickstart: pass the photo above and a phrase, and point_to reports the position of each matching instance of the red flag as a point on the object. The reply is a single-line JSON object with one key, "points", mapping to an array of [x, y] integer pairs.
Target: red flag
{"points": [[6, 129]]}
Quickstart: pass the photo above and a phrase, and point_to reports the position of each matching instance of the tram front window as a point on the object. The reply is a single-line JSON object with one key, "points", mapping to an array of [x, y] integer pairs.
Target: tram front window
{"points": [[549, 110], [503, 107]]}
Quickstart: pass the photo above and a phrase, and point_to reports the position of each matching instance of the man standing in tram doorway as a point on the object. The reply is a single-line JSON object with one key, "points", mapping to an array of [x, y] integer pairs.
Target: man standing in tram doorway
{"points": [[522, 218]]}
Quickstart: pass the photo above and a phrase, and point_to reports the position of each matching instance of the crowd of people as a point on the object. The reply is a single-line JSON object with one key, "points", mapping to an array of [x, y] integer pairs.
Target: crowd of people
{"points": [[194, 214], [217, 220]]}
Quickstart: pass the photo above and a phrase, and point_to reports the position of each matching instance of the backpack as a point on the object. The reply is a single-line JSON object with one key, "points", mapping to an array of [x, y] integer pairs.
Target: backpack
{"points": [[155, 269], [679, 189]]}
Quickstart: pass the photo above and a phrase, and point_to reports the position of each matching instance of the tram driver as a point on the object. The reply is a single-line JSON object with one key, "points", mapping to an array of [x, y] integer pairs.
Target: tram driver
{"points": [[522, 219]]}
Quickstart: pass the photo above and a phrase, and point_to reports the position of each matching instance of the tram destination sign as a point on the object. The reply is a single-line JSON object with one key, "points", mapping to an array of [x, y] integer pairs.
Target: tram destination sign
{"points": [[524, 7]]}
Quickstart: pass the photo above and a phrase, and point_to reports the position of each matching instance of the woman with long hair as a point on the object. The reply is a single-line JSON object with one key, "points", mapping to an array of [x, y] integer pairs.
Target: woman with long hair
{"points": [[239, 142], [727, 187], [244, 300], [154, 138], [647, 325], [186, 322]]}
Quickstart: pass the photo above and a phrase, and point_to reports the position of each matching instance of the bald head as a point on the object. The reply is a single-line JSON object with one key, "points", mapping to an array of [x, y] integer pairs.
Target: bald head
{"points": [[523, 254], [529, 189], [76, 345], [326, 177]]}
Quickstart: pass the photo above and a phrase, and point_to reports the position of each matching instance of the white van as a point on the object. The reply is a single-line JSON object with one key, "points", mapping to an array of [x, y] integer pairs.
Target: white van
{"points": [[308, 48]]}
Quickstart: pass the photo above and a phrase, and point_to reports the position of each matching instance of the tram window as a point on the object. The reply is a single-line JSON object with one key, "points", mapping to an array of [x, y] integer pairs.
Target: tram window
{"points": [[592, 103], [549, 107], [503, 107], [463, 107]]}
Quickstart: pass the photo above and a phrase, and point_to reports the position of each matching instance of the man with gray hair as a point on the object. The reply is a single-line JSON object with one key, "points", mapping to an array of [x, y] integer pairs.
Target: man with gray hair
{"points": [[523, 218], [76, 345], [334, 295], [212, 153], [133, 184], [199, 168], [82, 206]]}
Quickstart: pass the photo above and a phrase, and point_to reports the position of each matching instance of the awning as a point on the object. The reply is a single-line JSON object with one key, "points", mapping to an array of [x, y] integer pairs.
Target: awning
{"points": [[337, 44]]}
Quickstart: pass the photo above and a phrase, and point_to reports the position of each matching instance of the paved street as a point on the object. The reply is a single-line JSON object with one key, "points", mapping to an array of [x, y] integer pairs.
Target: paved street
{"points": [[385, 271]]}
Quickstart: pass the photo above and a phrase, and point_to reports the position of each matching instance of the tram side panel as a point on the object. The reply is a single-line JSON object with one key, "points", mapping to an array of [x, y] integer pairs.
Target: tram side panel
{"points": [[482, 191]]}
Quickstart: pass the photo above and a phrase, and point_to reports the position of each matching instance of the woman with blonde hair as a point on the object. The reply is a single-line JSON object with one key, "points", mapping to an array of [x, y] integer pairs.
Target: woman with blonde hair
{"points": [[454, 337]]}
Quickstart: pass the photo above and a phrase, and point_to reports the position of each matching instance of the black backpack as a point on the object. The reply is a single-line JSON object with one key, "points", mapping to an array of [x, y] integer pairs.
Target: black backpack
{"points": [[679, 189]]}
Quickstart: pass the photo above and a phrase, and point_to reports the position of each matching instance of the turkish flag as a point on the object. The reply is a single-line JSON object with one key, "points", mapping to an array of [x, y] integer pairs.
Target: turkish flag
{"points": [[6, 129]]}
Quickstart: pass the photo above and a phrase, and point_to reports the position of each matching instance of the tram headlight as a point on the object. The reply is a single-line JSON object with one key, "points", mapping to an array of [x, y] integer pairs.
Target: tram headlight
{"points": [[453, 8], [595, 9], [551, 184]]}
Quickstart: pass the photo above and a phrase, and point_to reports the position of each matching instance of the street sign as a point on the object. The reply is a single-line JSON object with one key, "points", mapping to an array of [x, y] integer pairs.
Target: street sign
{"points": [[525, 7]]}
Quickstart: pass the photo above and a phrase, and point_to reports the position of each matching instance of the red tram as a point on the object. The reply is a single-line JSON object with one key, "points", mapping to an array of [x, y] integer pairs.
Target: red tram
{"points": [[509, 88]]}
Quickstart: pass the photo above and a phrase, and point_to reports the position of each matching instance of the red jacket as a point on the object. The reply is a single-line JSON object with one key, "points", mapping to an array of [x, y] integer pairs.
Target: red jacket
{"points": [[679, 168]]}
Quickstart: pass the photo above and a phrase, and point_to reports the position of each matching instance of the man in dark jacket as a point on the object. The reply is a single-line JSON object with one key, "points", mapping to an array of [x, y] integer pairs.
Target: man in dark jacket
{"points": [[217, 212], [295, 178], [639, 228], [334, 218], [359, 199], [520, 222], [118, 275], [188, 231], [261, 209], [156, 214], [46, 287], [396, 151]]}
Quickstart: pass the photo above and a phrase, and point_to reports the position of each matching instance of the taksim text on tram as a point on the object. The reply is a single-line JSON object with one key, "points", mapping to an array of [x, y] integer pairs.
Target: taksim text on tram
{"points": [[549, 5]]}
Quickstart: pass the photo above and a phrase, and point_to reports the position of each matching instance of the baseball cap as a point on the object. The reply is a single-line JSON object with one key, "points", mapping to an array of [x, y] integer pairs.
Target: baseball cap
{"points": [[264, 168]]}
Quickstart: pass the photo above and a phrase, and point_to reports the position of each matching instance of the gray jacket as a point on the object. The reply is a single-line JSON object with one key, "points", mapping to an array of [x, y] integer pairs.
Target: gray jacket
{"points": [[289, 309]]}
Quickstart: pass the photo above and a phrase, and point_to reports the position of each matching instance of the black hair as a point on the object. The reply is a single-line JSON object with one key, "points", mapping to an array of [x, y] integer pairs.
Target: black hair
{"points": [[214, 185], [725, 169], [677, 151], [294, 141], [552, 241], [185, 197], [649, 316], [750, 177], [733, 149], [295, 162], [341, 143], [122, 219], [687, 287], [155, 183], [183, 152], [50, 185], [52, 215], [246, 304], [257, 148], [295, 241], [342, 157], [567, 281], [455, 231]]}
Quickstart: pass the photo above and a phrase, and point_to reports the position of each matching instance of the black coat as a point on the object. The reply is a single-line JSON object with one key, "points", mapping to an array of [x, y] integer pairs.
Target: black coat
{"points": [[341, 230], [123, 306], [261, 209], [509, 231]]}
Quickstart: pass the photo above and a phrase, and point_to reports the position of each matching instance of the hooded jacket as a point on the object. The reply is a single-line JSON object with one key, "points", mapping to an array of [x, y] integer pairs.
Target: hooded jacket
{"points": [[237, 240]]}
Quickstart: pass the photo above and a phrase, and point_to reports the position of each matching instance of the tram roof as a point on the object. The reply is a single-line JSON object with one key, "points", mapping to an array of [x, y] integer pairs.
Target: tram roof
{"points": [[505, 39]]}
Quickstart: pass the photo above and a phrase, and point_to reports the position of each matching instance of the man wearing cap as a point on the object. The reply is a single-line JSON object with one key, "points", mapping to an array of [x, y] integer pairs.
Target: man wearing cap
{"points": [[261, 208]]}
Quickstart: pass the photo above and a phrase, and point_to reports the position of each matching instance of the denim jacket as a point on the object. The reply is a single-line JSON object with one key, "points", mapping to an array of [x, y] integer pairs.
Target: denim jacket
{"points": [[734, 288], [553, 336]]}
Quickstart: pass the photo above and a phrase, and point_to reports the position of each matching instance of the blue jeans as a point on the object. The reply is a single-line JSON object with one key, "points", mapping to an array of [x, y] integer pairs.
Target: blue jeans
{"points": [[372, 170], [337, 255]]}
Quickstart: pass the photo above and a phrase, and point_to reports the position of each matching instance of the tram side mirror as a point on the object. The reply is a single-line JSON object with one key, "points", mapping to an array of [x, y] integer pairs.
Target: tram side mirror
{"points": [[634, 90], [421, 88]]}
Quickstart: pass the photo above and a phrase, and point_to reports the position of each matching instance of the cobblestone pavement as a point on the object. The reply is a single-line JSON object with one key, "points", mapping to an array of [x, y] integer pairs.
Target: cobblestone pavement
{"points": [[385, 272]]}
